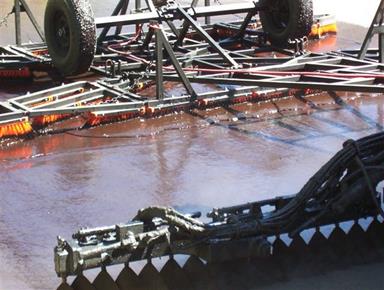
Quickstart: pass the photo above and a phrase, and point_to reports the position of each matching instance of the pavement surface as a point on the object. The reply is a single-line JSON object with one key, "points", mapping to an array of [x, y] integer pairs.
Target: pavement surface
{"points": [[55, 184]]}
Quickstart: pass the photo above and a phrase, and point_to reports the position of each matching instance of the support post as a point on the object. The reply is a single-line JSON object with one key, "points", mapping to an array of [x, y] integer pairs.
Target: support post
{"points": [[17, 22], [162, 42], [381, 47], [184, 30], [207, 18], [137, 8], [137, 5], [245, 23], [159, 66], [148, 38], [150, 5], [22, 6]]}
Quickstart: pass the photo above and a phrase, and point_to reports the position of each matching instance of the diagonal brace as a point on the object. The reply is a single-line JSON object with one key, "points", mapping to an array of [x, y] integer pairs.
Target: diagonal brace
{"points": [[375, 28], [120, 7], [207, 37], [162, 42]]}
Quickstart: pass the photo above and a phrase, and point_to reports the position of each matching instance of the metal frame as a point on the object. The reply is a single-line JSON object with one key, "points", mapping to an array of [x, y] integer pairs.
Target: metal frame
{"points": [[256, 85], [253, 71], [162, 54], [375, 28]]}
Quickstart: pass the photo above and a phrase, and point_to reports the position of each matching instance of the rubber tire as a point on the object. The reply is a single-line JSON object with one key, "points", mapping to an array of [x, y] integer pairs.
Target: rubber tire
{"points": [[77, 56], [299, 22]]}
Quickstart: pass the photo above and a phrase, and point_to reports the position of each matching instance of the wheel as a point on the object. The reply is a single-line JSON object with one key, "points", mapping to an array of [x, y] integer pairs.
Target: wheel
{"points": [[286, 19], [70, 33]]}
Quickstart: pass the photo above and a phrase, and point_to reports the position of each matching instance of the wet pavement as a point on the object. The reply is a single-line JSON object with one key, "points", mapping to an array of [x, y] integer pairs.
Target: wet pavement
{"points": [[55, 184]]}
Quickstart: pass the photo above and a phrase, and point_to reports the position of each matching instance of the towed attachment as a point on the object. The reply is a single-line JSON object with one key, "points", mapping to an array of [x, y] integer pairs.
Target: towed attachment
{"points": [[346, 189]]}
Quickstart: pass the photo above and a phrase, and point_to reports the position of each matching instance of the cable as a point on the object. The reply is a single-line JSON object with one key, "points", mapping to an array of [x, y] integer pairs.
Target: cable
{"points": [[327, 182], [369, 182], [113, 47]]}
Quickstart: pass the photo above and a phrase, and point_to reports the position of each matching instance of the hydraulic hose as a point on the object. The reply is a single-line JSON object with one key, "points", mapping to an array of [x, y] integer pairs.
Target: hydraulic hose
{"points": [[357, 160]]}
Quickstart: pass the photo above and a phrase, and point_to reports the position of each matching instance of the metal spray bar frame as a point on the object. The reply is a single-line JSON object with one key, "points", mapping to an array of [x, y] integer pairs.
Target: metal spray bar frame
{"points": [[203, 48], [66, 100]]}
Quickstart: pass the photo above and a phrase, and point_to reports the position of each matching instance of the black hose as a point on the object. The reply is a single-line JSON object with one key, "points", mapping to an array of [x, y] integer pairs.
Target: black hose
{"points": [[356, 160]]}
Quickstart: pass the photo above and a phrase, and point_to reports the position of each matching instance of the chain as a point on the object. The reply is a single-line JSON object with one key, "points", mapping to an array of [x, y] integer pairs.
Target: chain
{"points": [[4, 20]]}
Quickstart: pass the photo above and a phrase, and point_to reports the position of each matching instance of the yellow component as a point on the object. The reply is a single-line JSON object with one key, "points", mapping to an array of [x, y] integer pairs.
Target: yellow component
{"points": [[27, 127], [50, 99], [318, 30], [15, 129], [18, 129], [140, 86], [323, 24], [44, 120]]}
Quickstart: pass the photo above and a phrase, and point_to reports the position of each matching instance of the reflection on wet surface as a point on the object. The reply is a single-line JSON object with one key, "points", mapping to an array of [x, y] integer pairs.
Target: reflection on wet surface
{"points": [[55, 184], [195, 160]]}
